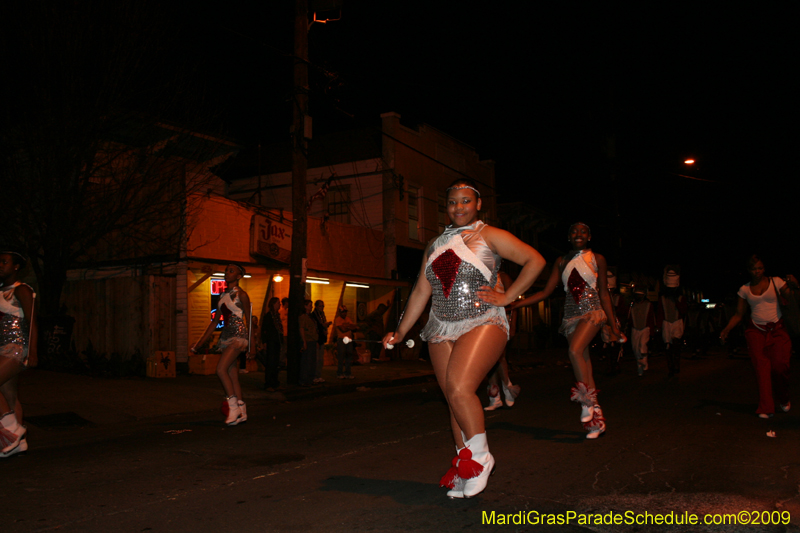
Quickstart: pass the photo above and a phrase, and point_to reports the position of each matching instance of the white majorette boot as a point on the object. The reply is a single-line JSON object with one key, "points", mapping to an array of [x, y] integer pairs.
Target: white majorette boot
{"points": [[451, 479], [11, 433], [586, 397], [597, 425], [476, 465], [494, 398], [21, 449], [510, 392], [230, 408], [243, 409]]}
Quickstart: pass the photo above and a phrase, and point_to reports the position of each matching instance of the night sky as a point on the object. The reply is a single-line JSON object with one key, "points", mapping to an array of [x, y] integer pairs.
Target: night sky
{"points": [[541, 90]]}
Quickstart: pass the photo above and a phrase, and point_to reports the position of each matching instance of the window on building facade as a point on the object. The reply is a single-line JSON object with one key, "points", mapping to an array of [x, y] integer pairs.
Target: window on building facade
{"points": [[444, 221], [414, 213], [337, 204]]}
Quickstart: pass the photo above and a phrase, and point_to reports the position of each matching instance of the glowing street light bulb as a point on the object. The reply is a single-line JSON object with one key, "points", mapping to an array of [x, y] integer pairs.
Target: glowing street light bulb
{"points": [[689, 162]]}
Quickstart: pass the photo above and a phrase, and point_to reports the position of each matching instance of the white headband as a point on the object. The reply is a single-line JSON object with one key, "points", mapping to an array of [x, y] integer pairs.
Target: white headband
{"points": [[464, 186]]}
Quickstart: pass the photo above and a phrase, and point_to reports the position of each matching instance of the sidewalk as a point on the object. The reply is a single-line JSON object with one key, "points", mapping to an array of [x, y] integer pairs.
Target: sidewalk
{"points": [[103, 401]]}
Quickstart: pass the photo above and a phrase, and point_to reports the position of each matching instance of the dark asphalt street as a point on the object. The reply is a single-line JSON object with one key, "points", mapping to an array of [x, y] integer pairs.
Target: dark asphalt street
{"points": [[371, 460]]}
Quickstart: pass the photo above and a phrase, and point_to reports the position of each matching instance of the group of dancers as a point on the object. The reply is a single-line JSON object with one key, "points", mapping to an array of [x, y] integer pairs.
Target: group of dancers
{"points": [[467, 330]]}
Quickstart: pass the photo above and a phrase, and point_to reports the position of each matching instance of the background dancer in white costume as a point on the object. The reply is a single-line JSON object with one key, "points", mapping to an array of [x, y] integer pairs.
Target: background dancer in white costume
{"points": [[467, 329], [234, 308], [586, 309], [498, 378], [642, 318]]}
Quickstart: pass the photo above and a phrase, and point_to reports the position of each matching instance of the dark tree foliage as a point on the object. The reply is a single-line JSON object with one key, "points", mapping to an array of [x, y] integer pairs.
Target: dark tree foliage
{"points": [[99, 136]]}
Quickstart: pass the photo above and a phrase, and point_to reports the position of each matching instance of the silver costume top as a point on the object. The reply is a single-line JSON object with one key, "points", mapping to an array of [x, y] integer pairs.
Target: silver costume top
{"points": [[460, 262], [232, 313], [14, 326], [580, 283]]}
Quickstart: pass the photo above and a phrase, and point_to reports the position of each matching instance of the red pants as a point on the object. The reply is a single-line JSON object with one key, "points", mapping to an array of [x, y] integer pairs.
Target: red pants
{"points": [[770, 352]]}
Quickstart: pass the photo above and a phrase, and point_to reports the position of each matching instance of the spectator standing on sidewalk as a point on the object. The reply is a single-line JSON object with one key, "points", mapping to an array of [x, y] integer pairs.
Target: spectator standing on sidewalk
{"points": [[322, 337], [308, 357], [768, 342], [18, 334], [344, 351], [272, 338], [376, 329], [284, 314]]}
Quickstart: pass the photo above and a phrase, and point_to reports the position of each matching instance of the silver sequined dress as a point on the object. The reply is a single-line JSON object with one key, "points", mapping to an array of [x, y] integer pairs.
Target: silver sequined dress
{"points": [[459, 262], [232, 313], [582, 302], [14, 327]]}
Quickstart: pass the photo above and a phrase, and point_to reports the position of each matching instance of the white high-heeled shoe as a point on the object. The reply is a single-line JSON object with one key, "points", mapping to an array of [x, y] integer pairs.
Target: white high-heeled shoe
{"points": [[243, 409]]}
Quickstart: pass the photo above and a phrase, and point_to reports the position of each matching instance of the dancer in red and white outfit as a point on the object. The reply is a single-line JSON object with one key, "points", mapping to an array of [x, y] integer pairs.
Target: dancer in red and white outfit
{"points": [[234, 308], [587, 307], [17, 348], [467, 329]]}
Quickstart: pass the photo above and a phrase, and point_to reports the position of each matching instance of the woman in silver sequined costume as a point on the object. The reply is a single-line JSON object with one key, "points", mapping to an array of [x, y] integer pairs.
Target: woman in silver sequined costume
{"points": [[17, 348], [234, 309], [586, 309], [467, 329]]}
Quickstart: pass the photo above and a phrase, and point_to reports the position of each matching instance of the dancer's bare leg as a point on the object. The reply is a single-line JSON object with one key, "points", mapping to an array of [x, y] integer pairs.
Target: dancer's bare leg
{"points": [[440, 358], [502, 370], [471, 358], [229, 356], [9, 399], [233, 374], [579, 352]]}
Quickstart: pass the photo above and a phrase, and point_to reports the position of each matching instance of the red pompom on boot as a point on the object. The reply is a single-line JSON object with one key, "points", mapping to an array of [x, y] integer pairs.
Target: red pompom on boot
{"points": [[451, 479]]}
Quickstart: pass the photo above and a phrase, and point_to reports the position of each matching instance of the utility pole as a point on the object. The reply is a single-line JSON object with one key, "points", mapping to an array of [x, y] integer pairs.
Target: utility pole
{"points": [[299, 209]]}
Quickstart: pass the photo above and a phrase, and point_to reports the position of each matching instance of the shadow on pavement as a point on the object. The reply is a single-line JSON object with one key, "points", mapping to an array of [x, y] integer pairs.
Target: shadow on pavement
{"points": [[569, 437]]}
